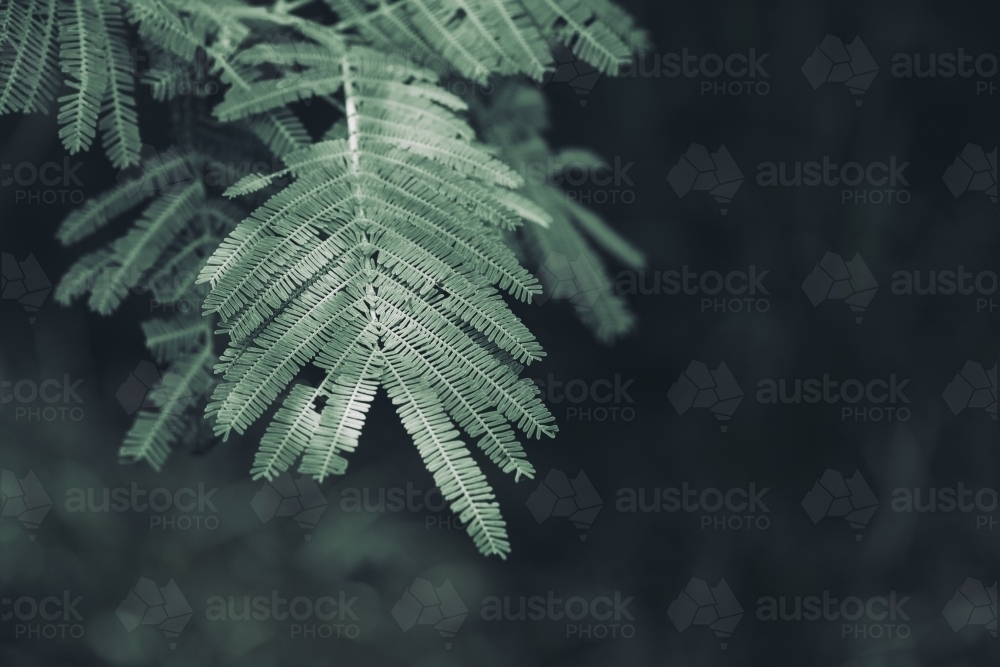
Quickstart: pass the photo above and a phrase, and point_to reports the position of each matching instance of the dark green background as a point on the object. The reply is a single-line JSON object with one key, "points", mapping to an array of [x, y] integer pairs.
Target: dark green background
{"points": [[651, 122]]}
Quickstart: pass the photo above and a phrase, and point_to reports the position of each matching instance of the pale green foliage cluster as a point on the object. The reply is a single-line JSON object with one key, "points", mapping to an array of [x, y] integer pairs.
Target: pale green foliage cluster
{"points": [[514, 118], [377, 255], [378, 265], [484, 37], [81, 44], [162, 253]]}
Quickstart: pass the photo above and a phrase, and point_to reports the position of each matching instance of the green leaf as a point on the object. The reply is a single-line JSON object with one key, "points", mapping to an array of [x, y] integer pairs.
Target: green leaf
{"points": [[380, 264], [82, 37], [120, 125]]}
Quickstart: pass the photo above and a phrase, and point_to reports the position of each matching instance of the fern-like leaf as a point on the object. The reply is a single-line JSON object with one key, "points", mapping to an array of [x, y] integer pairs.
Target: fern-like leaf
{"points": [[164, 168], [258, 97], [384, 260], [29, 74], [137, 251], [515, 119], [162, 253], [455, 472], [280, 130], [349, 388], [482, 37], [168, 338], [161, 26], [82, 276], [578, 25], [156, 430], [378, 265], [288, 434], [82, 40], [119, 126]]}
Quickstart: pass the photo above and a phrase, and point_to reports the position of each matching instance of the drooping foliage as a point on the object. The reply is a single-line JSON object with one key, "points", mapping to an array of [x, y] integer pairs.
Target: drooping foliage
{"points": [[376, 256]]}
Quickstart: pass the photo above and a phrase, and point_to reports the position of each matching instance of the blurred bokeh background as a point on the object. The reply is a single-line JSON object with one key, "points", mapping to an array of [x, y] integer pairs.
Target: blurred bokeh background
{"points": [[229, 545]]}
